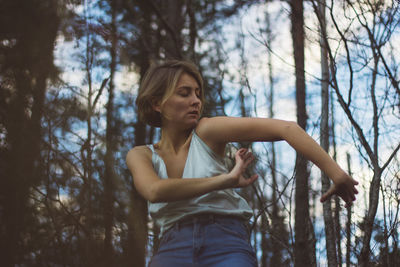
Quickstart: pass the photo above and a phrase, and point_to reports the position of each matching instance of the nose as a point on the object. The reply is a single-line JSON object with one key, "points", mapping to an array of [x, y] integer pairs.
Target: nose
{"points": [[195, 100]]}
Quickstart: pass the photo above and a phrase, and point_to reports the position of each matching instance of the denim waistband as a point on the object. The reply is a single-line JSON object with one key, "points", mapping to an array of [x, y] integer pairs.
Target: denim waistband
{"points": [[207, 218]]}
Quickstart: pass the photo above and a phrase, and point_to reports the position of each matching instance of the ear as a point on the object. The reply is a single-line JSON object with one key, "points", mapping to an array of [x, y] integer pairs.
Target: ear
{"points": [[156, 105]]}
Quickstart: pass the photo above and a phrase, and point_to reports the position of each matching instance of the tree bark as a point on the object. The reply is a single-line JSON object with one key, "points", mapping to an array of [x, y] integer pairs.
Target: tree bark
{"points": [[138, 230], [302, 250], [27, 66], [348, 223], [277, 227], [109, 162], [330, 240], [376, 180]]}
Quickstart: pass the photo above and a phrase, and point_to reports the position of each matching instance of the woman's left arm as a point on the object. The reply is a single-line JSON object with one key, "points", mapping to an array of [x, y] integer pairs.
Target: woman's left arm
{"points": [[218, 131]]}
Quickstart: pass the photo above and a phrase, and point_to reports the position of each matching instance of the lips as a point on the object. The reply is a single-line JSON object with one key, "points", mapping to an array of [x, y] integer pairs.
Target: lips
{"points": [[194, 112]]}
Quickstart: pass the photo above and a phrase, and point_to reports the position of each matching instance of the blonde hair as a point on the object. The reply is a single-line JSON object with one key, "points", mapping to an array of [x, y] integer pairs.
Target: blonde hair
{"points": [[159, 83]]}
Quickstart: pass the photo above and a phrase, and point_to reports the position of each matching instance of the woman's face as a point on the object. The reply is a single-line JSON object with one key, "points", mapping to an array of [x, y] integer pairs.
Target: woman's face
{"points": [[184, 105]]}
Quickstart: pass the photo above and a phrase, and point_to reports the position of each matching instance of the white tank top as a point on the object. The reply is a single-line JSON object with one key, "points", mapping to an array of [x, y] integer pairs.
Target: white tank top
{"points": [[201, 162]]}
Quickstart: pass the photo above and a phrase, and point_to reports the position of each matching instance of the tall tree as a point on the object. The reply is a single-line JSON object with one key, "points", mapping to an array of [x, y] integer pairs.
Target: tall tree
{"points": [[303, 250], [330, 237], [337, 223], [279, 236], [143, 51], [348, 223], [28, 31], [109, 161]]}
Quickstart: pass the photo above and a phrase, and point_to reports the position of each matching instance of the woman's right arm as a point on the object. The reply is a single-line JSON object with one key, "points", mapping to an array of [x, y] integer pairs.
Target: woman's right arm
{"points": [[154, 189]]}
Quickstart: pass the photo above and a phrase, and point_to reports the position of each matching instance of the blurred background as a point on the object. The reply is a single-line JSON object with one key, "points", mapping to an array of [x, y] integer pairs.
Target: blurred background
{"points": [[69, 75]]}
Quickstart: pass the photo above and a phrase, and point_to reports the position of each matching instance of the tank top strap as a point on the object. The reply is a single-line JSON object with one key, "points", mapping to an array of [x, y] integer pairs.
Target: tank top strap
{"points": [[151, 147]]}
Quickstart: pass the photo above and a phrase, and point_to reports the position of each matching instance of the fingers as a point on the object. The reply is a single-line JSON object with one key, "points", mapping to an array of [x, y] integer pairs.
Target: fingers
{"points": [[242, 153], [245, 154], [239, 154], [345, 192], [328, 194], [247, 181], [253, 178], [348, 204], [354, 187], [350, 199], [352, 191], [243, 159]]}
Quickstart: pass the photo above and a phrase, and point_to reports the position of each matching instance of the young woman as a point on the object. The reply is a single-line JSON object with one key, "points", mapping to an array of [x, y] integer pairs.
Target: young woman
{"points": [[184, 177]]}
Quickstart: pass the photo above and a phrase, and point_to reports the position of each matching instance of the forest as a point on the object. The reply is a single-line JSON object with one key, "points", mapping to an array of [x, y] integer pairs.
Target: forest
{"points": [[69, 75]]}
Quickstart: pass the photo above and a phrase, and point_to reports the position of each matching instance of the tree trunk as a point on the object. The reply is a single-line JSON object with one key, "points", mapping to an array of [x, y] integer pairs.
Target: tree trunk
{"points": [[277, 228], [109, 175], [264, 241], [137, 227], [170, 14], [138, 231], [330, 239], [337, 200], [28, 67], [348, 223], [88, 256], [376, 180], [137, 234], [302, 250]]}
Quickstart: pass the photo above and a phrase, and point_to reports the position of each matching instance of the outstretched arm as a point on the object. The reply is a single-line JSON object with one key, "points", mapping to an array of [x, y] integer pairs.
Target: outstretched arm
{"points": [[218, 131]]}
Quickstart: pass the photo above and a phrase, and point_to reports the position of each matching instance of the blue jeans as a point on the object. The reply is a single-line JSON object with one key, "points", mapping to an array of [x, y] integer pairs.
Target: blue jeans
{"points": [[207, 240]]}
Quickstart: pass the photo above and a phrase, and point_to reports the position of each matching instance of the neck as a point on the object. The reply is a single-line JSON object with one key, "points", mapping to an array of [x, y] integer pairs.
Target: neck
{"points": [[173, 139]]}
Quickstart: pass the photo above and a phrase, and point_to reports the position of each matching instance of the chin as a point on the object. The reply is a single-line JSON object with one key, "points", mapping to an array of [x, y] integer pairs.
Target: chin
{"points": [[191, 124]]}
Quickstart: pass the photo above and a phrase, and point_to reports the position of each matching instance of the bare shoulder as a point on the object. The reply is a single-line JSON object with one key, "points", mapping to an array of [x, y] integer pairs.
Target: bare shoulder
{"points": [[138, 152], [205, 130], [202, 122], [214, 128], [206, 124], [203, 126]]}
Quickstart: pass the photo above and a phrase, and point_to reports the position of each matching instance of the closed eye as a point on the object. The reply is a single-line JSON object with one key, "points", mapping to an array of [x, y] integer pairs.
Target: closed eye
{"points": [[185, 91]]}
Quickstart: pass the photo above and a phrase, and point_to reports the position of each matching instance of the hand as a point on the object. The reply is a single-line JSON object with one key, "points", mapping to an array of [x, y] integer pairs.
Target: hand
{"points": [[345, 187], [243, 159]]}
